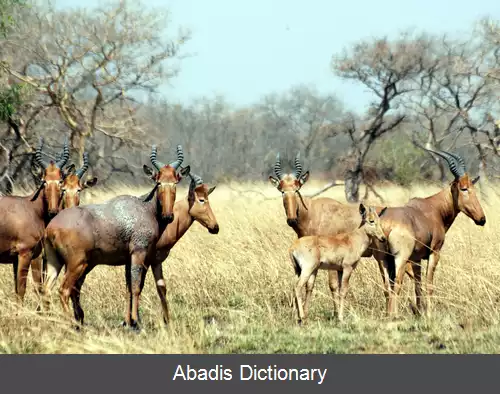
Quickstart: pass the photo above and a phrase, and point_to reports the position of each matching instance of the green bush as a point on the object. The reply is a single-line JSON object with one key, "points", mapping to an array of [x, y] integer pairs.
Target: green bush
{"points": [[400, 159]]}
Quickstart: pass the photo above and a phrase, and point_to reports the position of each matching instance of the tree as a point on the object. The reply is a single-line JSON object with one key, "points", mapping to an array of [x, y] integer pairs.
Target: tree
{"points": [[6, 18], [303, 119], [89, 68], [10, 97], [390, 70]]}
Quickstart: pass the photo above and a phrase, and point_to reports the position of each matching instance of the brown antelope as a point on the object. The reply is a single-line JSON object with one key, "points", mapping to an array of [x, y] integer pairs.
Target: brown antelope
{"points": [[339, 252], [417, 230], [121, 231], [24, 219], [72, 184], [320, 216], [195, 207]]}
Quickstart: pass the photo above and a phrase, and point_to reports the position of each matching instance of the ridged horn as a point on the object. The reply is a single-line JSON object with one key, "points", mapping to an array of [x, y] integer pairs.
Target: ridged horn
{"points": [[38, 155], [79, 173], [298, 165], [460, 161], [154, 161], [456, 165], [196, 179], [277, 167], [180, 158], [64, 156]]}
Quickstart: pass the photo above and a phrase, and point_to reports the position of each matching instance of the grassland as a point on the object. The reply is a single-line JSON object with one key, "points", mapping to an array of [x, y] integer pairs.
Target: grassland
{"points": [[231, 292]]}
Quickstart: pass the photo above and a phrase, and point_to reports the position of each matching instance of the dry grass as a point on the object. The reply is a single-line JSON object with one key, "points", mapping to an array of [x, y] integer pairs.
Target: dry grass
{"points": [[230, 293]]}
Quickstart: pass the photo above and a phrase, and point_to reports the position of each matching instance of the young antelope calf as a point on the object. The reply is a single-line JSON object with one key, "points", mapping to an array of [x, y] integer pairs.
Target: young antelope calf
{"points": [[340, 252]]}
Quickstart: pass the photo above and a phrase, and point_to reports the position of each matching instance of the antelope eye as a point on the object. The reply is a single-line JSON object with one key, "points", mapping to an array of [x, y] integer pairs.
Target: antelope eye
{"points": [[201, 200], [464, 189]]}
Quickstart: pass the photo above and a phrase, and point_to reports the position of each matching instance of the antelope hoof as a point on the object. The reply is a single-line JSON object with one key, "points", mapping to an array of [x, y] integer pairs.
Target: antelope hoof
{"points": [[134, 326]]}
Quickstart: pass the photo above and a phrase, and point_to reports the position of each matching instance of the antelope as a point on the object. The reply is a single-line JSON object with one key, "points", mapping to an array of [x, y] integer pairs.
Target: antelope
{"points": [[121, 231], [24, 219], [195, 207], [417, 230], [340, 252], [73, 185], [320, 216]]}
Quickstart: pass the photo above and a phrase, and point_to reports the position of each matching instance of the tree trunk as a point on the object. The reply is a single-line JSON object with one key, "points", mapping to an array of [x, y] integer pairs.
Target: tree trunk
{"points": [[352, 180]]}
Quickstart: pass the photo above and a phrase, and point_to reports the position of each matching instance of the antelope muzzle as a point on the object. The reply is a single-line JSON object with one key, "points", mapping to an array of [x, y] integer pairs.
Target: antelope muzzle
{"points": [[168, 217], [481, 221], [214, 229]]}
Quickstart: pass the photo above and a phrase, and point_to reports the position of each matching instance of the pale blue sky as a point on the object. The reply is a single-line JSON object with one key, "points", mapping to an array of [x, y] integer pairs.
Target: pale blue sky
{"points": [[245, 49]]}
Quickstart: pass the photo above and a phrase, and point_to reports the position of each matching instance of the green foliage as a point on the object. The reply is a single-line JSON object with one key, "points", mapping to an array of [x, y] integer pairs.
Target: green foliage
{"points": [[11, 99], [6, 19], [400, 159]]}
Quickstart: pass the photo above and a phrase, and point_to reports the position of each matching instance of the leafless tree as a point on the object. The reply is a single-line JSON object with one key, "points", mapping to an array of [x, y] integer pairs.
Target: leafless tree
{"points": [[390, 70], [90, 67]]}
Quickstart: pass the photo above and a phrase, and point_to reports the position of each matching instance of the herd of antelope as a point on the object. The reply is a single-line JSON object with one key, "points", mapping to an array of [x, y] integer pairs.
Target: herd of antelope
{"points": [[49, 230]]}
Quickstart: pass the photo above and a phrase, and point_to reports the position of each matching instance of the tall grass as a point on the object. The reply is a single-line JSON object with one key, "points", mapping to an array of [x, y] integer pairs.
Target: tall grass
{"points": [[231, 292]]}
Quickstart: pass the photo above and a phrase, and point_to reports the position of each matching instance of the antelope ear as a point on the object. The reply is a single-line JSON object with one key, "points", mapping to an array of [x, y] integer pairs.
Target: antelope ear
{"points": [[185, 171], [37, 193], [274, 181], [211, 189], [70, 170], [90, 182], [304, 178], [362, 210], [476, 179], [151, 194], [147, 170]]}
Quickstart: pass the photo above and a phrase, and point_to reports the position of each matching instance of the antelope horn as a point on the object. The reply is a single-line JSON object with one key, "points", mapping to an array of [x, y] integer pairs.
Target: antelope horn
{"points": [[298, 166], [457, 167], [156, 163], [460, 161], [196, 179], [79, 173], [64, 156], [180, 158], [277, 167], [38, 155]]}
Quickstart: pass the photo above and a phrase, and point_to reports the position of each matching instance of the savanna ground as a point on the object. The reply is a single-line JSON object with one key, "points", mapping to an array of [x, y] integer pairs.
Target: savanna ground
{"points": [[231, 292]]}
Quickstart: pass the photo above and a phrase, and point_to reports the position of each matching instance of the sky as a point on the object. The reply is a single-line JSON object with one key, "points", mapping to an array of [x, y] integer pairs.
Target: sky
{"points": [[245, 49]]}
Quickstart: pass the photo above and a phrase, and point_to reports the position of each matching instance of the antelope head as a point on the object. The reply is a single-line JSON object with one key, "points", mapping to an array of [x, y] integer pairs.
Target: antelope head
{"points": [[289, 185], [166, 178], [51, 178], [371, 222], [72, 183], [199, 206], [462, 188]]}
